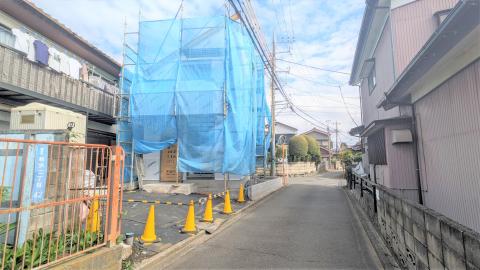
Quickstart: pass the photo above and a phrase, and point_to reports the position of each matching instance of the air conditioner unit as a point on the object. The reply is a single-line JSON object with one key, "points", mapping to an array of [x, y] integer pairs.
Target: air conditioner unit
{"points": [[401, 136], [37, 116]]}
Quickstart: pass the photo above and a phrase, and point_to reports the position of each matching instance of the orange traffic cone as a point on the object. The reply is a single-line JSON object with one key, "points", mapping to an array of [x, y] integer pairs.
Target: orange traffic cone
{"points": [[189, 226], [227, 207], [241, 195], [208, 215], [93, 218], [149, 234]]}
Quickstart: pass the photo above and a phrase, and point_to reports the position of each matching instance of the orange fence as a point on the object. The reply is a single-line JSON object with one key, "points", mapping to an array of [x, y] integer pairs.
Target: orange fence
{"points": [[57, 200]]}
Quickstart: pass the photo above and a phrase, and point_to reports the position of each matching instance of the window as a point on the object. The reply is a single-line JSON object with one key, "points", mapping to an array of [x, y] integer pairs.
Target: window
{"points": [[6, 36], [377, 153], [372, 80], [27, 119]]}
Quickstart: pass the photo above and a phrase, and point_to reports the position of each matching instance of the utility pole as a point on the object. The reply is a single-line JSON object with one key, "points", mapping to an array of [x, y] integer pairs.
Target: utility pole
{"points": [[272, 93], [329, 147], [336, 136]]}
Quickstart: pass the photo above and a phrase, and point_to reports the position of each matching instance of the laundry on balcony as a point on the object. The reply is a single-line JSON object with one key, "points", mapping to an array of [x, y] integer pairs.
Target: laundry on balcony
{"points": [[41, 52], [54, 58], [74, 68], [24, 43]]}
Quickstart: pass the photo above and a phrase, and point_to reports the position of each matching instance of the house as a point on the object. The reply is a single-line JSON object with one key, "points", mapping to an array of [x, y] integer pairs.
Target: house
{"points": [[420, 96], [323, 139], [284, 130], [41, 60]]}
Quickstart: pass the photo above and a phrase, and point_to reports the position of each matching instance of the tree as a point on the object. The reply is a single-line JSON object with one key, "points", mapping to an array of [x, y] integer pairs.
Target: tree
{"points": [[348, 157], [278, 151], [313, 148], [298, 147]]}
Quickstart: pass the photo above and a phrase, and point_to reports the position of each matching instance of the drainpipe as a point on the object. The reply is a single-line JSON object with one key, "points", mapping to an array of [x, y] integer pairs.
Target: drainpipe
{"points": [[415, 150], [375, 188]]}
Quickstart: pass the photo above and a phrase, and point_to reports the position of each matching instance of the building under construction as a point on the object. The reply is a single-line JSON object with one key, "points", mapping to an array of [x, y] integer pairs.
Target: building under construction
{"points": [[197, 84]]}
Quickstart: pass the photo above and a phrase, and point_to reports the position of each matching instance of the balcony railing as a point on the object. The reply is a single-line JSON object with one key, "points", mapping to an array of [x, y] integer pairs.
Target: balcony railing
{"points": [[43, 83]]}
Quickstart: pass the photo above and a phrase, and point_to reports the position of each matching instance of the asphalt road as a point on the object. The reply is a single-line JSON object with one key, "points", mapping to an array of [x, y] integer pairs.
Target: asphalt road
{"points": [[308, 224]]}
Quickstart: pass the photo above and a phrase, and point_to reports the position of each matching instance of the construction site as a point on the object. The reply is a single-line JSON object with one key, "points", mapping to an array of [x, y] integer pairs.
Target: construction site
{"points": [[239, 134], [192, 128]]}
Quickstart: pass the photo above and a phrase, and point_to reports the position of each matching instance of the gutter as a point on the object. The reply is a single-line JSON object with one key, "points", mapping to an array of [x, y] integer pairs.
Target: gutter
{"points": [[366, 22], [415, 153], [386, 102]]}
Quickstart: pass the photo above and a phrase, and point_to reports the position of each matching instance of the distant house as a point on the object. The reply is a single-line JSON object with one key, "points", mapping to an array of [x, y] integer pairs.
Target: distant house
{"points": [[417, 65], [323, 139], [282, 129], [356, 147]]}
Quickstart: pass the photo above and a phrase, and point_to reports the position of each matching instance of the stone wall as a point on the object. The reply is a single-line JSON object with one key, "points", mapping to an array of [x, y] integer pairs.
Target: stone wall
{"points": [[292, 168], [419, 237]]}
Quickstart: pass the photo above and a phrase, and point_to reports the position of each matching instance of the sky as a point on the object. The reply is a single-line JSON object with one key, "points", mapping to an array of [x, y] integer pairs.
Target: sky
{"points": [[319, 33]]}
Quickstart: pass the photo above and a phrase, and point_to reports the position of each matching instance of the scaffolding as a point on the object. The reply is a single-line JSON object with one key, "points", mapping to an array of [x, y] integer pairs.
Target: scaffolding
{"points": [[197, 82]]}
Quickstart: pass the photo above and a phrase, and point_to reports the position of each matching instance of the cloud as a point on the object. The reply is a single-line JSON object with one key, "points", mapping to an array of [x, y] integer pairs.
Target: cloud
{"points": [[324, 34], [102, 22]]}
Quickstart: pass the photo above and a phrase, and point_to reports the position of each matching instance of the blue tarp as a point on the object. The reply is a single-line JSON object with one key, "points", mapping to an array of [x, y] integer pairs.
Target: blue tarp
{"points": [[199, 83]]}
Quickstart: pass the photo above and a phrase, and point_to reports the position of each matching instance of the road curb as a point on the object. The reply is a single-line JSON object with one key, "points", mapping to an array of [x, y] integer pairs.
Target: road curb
{"points": [[385, 257], [169, 255]]}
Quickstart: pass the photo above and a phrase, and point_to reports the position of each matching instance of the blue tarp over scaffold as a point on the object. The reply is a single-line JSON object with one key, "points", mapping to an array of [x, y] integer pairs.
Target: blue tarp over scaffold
{"points": [[199, 83]]}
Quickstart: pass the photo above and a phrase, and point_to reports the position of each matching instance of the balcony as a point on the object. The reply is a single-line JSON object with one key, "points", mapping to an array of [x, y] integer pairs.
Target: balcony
{"points": [[23, 81]]}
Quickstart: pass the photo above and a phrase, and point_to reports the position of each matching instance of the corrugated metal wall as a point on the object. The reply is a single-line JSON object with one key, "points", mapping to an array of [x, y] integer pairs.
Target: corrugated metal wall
{"points": [[412, 26], [448, 123], [384, 76], [401, 160], [376, 148]]}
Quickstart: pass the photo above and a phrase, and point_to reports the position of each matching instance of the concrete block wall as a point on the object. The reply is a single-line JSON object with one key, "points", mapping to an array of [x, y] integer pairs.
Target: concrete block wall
{"points": [[292, 168], [260, 190], [420, 237]]}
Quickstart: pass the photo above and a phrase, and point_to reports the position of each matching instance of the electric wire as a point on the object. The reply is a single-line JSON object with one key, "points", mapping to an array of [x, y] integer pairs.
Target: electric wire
{"points": [[251, 23], [309, 66], [346, 107]]}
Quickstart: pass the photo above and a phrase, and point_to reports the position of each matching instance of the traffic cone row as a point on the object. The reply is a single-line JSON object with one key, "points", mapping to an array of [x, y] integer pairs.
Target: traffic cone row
{"points": [[208, 214], [93, 218], [150, 236], [241, 195], [227, 207]]}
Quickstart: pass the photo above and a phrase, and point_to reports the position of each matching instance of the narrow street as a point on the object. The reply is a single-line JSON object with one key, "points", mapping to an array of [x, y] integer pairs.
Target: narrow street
{"points": [[308, 224]]}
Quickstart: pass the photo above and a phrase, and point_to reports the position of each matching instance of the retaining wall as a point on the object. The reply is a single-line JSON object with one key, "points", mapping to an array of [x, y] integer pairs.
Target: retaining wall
{"points": [[260, 190], [419, 237], [292, 168], [104, 258]]}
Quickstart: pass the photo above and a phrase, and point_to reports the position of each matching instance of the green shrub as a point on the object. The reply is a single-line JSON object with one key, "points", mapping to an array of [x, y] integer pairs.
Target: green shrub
{"points": [[348, 157], [313, 147], [278, 151], [46, 247], [298, 147]]}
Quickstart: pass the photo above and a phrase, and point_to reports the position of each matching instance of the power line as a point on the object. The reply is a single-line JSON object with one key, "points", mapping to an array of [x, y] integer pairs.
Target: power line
{"points": [[315, 125], [319, 68], [346, 107], [313, 81], [307, 114], [248, 18], [333, 86]]}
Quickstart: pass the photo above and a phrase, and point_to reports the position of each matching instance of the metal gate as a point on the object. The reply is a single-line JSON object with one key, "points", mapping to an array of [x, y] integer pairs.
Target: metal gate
{"points": [[57, 200]]}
